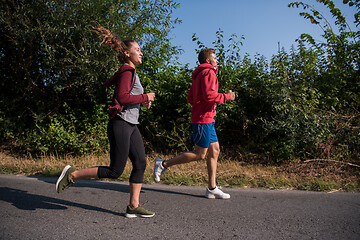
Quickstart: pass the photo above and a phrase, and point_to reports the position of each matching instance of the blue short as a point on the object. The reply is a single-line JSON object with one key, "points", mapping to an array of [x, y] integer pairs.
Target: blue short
{"points": [[203, 134]]}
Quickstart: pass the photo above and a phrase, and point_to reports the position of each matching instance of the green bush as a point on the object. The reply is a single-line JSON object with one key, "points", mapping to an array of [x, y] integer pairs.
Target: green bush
{"points": [[299, 104], [69, 134]]}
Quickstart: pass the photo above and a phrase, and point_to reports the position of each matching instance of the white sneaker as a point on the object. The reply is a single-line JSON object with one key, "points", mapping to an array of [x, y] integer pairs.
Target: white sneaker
{"points": [[159, 169], [216, 193]]}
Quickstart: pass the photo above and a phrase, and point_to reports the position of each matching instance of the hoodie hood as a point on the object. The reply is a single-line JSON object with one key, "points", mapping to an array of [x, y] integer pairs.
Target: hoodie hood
{"points": [[201, 67], [123, 68]]}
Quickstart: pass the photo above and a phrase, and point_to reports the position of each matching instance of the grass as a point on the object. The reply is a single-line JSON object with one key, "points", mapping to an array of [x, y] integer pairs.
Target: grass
{"points": [[310, 176]]}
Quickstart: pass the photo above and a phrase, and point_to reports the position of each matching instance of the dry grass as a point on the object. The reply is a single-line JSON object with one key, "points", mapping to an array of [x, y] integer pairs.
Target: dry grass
{"points": [[319, 176]]}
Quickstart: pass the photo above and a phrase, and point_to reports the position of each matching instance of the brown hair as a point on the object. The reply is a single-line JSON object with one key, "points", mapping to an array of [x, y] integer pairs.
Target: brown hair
{"points": [[205, 54], [114, 41]]}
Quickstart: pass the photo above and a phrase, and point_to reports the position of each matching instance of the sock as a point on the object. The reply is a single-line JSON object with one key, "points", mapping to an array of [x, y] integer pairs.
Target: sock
{"points": [[212, 188], [163, 164]]}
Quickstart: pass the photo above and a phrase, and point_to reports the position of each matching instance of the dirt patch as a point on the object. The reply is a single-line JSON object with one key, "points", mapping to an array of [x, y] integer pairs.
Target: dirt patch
{"points": [[321, 168], [318, 175]]}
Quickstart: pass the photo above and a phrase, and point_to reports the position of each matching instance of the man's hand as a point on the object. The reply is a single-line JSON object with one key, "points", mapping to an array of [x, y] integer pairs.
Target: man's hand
{"points": [[232, 95]]}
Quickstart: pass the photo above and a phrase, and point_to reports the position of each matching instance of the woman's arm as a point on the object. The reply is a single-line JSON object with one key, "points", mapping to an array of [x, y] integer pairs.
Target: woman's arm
{"points": [[122, 90]]}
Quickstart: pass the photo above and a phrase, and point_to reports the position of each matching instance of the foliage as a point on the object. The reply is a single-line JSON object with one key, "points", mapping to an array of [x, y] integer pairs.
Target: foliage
{"points": [[50, 59], [69, 134], [299, 104], [336, 82], [167, 124], [304, 104]]}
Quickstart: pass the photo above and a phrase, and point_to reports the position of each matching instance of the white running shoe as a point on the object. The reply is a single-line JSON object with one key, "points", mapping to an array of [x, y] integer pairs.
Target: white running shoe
{"points": [[216, 193], [159, 169]]}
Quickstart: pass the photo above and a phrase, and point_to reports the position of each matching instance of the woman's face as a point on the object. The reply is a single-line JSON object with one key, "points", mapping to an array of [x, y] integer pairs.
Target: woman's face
{"points": [[134, 54]]}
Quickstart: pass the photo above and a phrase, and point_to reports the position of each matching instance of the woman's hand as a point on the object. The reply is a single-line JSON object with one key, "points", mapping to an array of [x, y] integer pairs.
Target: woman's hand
{"points": [[147, 104], [151, 97]]}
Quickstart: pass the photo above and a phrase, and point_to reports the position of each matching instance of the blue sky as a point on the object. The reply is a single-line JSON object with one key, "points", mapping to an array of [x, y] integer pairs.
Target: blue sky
{"points": [[263, 23]]}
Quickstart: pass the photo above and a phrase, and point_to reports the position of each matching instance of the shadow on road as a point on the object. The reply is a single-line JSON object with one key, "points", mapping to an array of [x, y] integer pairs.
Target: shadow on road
{"points": [[24, 200], [124, 188], [27, 201]]}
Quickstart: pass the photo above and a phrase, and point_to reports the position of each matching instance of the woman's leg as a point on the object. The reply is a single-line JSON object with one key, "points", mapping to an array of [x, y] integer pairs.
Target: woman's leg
{"points": [[119, 133], [138, 160], [87, 173], [135, 189]]}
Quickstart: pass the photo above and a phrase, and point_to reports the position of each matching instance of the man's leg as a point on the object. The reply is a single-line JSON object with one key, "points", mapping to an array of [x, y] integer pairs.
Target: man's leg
{"points": [[214, 151], [201, 137], [213, 191], [198, 154], [161, 165]]}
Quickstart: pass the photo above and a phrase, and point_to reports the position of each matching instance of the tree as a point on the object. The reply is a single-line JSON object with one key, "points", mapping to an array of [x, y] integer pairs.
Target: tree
{"points": [[53, 67]]}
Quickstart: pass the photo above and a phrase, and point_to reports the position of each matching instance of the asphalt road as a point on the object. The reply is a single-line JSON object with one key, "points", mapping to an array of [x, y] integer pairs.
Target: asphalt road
{"points": [[30, 208]]}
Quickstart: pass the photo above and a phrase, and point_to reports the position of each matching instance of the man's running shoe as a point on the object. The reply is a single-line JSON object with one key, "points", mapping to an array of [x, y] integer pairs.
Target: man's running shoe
{"points": [[159, 169], [64, 180], [140, 211], [216, 193]]}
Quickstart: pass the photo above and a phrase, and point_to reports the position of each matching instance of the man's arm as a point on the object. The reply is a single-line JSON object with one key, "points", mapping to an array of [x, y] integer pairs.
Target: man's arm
{"points": [[210, 89]]}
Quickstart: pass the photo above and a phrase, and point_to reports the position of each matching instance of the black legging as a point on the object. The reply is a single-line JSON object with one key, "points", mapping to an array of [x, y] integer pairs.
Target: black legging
{"points": [[125, 141]]}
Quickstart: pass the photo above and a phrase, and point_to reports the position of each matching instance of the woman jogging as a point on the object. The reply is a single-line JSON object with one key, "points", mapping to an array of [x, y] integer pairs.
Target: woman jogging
{"points": [[124, 136]]}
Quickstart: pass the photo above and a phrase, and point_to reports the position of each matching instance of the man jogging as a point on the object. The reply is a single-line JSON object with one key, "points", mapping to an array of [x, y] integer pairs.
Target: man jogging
{"points": [[203, 97]]}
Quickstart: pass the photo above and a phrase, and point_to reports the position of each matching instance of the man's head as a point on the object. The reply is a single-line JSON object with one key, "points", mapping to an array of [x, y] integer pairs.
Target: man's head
{"points": [[207, 55]]}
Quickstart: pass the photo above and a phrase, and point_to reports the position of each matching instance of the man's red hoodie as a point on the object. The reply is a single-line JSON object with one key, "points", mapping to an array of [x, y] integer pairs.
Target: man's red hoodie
{"points": [[203, 94]]}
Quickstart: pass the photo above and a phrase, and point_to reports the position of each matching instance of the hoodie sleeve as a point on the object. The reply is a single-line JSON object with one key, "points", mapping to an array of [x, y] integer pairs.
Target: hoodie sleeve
{"points": [[190, 97], [111, 80], [210, 89], [122, 90]]}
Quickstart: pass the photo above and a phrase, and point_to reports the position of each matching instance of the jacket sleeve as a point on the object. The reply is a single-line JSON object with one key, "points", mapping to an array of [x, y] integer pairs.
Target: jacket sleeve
{"points": [[190, 97], [210, 89], [111, 80], [122, 90]]}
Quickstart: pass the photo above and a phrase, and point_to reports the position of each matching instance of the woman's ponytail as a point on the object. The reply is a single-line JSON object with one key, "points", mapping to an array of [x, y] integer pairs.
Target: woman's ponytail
{"points": [[114, 41]]}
